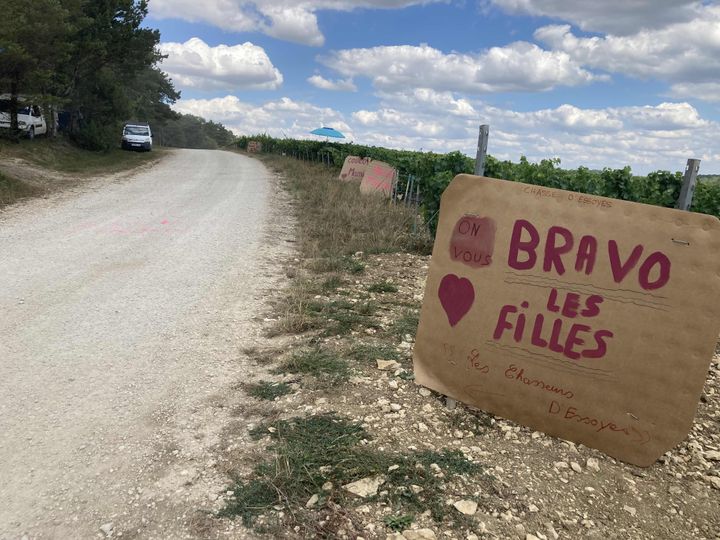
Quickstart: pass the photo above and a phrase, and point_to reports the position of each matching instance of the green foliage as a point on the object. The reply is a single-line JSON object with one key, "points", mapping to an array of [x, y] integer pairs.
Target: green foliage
{"points": [[310, 451], [398, 523], [188, 131], [318, 362], [268, 390], [95, 61], [433, 172], [383, 287]]}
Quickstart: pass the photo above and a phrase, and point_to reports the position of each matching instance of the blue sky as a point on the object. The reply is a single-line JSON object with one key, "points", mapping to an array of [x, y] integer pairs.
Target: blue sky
{"points": [[613, 83]]}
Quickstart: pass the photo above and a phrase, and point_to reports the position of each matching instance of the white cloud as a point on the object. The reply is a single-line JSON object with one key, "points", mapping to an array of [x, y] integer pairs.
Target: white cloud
{"points": [[646, 137], [280, 118], [620, 17], [520, 66], [194, 64], [346, 85], [682, 53], [707, 91], [291, 20]]}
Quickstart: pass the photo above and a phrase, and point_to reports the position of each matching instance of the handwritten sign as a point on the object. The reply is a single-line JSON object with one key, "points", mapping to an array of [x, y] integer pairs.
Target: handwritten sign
{"points": [[354, 168], [379, 178], [586, 318], [254, 146]]}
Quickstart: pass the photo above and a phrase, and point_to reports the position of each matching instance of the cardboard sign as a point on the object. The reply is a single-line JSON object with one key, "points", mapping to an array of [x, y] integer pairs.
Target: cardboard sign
{"points": [[254, 146], [379, 178], [354, 168], [586, 318]]}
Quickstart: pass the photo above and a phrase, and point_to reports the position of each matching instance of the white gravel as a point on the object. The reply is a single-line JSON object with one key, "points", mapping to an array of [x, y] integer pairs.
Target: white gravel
{"points": [[123, 308]]}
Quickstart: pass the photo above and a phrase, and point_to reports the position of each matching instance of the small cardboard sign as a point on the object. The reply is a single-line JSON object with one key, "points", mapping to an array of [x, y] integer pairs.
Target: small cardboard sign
{"points": [[354, 168], [254, 146], [587, 318], [379, 178]]}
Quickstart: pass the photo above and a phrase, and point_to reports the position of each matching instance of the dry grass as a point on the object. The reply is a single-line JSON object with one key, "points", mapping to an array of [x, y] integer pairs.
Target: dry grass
{"points": [[12, 190], [336, 220], [60, 155]]}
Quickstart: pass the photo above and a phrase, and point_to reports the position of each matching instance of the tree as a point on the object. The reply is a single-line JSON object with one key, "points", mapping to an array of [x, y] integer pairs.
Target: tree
{"points": [[33, 41]]}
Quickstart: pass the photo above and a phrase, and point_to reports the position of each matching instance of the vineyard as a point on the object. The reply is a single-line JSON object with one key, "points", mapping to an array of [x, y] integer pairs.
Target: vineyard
{"points": [[433, 172]]}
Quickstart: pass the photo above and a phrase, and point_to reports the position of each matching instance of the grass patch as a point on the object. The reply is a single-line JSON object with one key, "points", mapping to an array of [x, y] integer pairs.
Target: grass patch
{"points": [[336, 220], [398, 523], [12, 190], [294, 313], [318, 362], [310, 451], [58, 154], [382, 287], [407, 324], [346, 263], [332, 284], [340, 317], [368, 353], [268, 390]]}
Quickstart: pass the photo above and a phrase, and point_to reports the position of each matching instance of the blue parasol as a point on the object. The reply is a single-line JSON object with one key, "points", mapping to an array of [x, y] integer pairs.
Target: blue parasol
{"points": [[328, 132]]}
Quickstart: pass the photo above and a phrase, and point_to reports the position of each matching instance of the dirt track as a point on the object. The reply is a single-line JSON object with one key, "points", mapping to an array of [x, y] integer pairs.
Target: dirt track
{"points": [[124, 308]]}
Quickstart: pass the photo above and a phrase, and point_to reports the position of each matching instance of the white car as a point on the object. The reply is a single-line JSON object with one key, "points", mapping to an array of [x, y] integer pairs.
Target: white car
{"points": [[136, 137], [30, 119]]}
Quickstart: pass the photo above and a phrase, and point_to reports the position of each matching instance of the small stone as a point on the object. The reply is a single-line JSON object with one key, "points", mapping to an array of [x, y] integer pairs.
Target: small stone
{"points": [[312, 501], [472, 537], [560, 465], [593, 464], [466, 507], [107, 528], [714, 481], [422, 428], [630, 510], [365, 487], [392, 468], [419, 534], [458, 434], [532, 508], [395, 407], [393, 384], [529, 536], [416, 489], [395, 536], [424, 392], [387, 365], [575, 467], [327, 486], [712, 455]]}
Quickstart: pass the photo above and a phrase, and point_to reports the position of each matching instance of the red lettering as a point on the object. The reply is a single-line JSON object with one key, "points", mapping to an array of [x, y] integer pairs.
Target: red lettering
{"points": [[554, 252], [555, 337], [663, 264], [517, 245], [552, 301], [502, 323], [592, 306], [554, 407], [620, 270], [571, 305], [601, 349], [587, 252], [537, 340], [573, 340]]}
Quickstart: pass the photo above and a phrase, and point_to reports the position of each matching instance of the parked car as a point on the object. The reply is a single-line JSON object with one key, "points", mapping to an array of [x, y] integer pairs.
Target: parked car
{"points": [[30, 118], [136, 137]]}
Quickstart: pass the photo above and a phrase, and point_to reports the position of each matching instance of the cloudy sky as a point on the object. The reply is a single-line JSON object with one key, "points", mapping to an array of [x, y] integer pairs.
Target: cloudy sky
{"points": [[594, 83]]}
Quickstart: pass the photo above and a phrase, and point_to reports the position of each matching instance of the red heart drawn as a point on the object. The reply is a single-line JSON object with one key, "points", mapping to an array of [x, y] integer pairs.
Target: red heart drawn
{"points": [[456, 296]]}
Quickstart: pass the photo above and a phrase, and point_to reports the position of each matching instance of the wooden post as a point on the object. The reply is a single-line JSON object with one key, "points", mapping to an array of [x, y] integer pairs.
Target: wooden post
{"points": [[482, 150], [688, 189]]}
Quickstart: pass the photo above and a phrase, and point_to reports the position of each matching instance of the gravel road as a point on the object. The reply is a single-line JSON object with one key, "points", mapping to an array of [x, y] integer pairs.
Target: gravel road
{"points": [[125, 305]]}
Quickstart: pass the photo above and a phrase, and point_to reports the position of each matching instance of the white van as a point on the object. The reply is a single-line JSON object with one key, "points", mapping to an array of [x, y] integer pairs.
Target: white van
{"points": [[136, 136], [30, 119]]}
